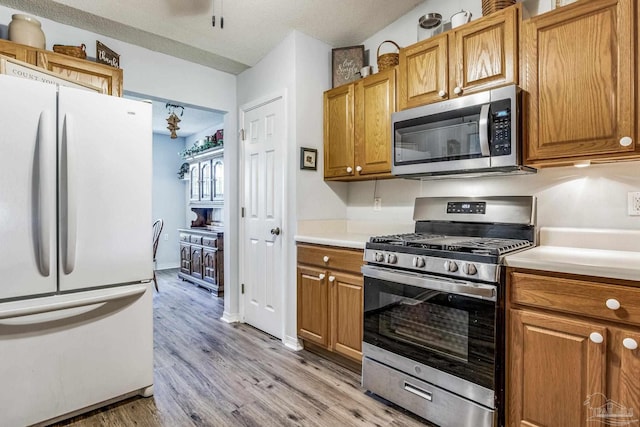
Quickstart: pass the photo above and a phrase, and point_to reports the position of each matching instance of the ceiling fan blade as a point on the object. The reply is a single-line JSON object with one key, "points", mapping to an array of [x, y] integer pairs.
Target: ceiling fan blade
{"points": [[189, 7]]}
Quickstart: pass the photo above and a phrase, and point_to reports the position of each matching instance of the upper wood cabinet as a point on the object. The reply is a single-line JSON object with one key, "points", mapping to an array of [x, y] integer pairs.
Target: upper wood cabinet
{"points": [[108, 79], [476, 56], [357, 128], [579, 70]]}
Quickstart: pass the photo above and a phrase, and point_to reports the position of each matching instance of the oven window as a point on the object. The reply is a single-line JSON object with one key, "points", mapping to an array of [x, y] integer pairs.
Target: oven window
{"points": [[446, 331]]}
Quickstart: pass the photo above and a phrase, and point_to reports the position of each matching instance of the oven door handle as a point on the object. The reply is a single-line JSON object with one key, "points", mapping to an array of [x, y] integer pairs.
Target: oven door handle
{"points": [[470, 289]]}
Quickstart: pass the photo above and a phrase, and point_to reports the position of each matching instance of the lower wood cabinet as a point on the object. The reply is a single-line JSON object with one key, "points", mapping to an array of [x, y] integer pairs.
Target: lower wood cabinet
{"points": [[202, 259], [572, 356], [330, 299]]}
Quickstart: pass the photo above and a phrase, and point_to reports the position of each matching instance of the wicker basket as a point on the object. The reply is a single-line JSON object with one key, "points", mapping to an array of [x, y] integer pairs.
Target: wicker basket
{"points": [[75, 51], [388, 60], [490, 6]]}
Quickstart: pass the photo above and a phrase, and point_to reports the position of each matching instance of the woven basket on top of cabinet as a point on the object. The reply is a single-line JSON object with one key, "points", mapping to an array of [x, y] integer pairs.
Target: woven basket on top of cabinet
{"points": [[387, 60], [490, 6], [75, 51]]}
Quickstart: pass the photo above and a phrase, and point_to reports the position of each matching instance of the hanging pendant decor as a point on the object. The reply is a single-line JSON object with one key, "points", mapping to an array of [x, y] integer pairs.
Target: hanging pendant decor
{"points": [[173, 119]]}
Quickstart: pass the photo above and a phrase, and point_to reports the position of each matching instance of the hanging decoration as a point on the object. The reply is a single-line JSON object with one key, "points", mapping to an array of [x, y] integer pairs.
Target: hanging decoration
{"points": [[173, 119]]}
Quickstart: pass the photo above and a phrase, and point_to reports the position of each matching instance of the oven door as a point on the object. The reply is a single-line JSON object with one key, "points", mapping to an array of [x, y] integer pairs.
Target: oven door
{"points": [[445, 324]]}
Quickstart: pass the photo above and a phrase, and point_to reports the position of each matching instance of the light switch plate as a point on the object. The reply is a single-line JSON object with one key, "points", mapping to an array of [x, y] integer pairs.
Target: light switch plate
{"points": [[377, 203], [633, 203]]}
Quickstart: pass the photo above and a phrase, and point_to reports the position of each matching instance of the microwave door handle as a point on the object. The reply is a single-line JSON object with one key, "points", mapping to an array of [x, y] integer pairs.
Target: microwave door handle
{"points": [[483, 130]]}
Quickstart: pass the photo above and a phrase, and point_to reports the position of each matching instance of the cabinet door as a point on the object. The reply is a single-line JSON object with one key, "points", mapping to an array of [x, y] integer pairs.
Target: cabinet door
{"points": [[375, 100], [196, 262], [205, 181], [484, 53], [109, 79], [579, 70], [194, 182], [347, 298], [18, 51], [218, 179], [209, 265], [553, 369], [185, 258], [313, 324], [624, 369], [338, 132], [423, 74]]}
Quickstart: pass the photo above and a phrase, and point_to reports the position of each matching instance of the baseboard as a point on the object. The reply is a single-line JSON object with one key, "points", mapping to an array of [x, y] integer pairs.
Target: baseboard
{"points": [[230, 317], [167, 265], [293, 343]]}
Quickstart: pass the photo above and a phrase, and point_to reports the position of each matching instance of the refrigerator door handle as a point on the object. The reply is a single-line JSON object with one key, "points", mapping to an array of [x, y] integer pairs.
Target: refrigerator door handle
{"points": [[68, 196], [67, 301], [45, 149]]}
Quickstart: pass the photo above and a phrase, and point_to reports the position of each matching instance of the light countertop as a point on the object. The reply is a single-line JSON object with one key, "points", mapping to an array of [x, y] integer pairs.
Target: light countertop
{"points": [[346, 234], [593, 252]]}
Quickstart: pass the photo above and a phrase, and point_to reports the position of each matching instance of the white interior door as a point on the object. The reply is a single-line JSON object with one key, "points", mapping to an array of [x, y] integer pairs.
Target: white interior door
{"points": [[262, 258]]}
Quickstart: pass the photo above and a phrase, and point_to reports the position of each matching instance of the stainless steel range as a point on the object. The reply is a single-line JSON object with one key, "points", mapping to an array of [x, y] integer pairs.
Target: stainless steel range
{"points": [[434, 308]]}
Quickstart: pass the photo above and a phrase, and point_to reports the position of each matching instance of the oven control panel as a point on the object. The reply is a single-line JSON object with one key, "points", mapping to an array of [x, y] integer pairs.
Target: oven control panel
{"points": [[435, 265]]}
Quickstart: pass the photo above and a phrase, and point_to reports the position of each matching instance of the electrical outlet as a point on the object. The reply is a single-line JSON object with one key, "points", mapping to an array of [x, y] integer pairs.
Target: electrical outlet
{"points": [[633, 203], [166, 236], [377, 203]]}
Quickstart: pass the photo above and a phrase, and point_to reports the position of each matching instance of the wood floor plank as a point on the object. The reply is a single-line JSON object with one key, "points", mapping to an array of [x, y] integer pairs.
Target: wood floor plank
{"points": [[211, 373]]}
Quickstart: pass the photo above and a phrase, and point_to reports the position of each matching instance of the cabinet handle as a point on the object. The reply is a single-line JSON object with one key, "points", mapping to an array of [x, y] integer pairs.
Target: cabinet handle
{"points": [[596, 337], [358, 168], [630, 343], [349, 169], [321, 276], [457, 90], [626, 141], [613, 304], [325, 258], [442, 94], [333, 279]]}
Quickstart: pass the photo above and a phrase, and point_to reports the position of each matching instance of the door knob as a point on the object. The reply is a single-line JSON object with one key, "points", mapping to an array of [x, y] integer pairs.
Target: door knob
{"points": [[275, 231]]}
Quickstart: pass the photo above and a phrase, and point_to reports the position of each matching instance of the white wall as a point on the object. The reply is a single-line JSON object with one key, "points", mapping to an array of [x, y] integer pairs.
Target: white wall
{"points": [[168, 193]]}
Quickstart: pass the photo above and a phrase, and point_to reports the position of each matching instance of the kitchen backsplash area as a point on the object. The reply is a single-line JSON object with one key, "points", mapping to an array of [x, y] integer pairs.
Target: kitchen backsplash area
{"points": [[594, 197]]}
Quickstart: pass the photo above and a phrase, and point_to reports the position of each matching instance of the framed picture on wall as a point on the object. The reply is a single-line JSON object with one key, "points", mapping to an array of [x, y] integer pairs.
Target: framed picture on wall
{"points": [[346, 63], [308, 158]]}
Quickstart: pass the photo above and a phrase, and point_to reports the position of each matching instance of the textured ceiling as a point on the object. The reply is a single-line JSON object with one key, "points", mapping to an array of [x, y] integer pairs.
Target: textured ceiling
{"points": [[183, 28]]}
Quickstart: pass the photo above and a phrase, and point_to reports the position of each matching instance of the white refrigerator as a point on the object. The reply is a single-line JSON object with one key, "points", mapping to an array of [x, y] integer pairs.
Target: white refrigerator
{"points": [[76, 323]]}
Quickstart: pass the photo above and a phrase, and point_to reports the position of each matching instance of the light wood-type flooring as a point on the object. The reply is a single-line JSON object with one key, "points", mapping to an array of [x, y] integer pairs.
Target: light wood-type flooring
{"points": [[210, 373]]}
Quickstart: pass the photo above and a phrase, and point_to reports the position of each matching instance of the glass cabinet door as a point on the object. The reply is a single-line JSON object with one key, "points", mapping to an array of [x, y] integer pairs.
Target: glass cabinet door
{"points": [[218, 179], [205, 179], [194, 176]]}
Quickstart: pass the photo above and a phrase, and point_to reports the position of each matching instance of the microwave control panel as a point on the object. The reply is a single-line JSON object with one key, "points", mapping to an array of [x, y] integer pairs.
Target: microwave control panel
{"points": [[501, 131]]}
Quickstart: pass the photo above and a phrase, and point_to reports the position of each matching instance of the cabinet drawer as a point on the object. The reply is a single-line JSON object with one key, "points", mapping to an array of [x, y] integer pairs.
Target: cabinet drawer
{"points": [[339, 259], [212, 242], [184, 237], [577, 296], [196, 239]]}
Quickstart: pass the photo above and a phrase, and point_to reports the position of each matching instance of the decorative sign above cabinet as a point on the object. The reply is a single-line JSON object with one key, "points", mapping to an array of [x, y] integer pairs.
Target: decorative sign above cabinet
{"points": [[104, 55]]}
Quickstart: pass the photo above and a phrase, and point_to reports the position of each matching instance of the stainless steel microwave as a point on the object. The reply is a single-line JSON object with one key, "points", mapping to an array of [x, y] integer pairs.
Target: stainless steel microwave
{"points": [[477, 134]]}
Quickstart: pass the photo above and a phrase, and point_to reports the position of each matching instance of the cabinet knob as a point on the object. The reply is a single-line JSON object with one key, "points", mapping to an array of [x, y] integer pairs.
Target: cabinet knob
{"points": [[358, 168], [442, 94], [457, 90], [325, 258], [630, 343], [332, 279], [626, 141], [613, 304], [596, 337], [349, 169], [321, 276]]}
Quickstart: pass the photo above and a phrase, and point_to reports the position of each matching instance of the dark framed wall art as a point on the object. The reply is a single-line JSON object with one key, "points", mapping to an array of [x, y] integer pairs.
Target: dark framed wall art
{"points": [[346, 63], [308, 158]]}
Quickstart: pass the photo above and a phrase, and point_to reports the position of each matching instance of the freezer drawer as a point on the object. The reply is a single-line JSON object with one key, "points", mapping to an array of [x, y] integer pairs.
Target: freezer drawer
{"points": [[66, 353]]}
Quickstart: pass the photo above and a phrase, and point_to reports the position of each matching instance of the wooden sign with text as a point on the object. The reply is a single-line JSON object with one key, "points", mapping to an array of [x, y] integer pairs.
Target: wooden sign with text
{"points": [[105, 55]]}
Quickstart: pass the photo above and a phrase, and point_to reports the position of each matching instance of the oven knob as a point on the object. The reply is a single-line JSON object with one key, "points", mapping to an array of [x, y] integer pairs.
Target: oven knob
{"points": [[450, 266], [392, 259], [470, 269], [379, 257], [418, 262]]}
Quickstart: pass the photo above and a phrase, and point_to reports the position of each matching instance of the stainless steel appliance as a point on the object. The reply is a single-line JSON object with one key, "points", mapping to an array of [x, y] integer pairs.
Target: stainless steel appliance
{"points": [[478, 133], [434, 311]]}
